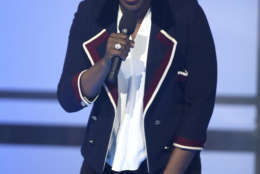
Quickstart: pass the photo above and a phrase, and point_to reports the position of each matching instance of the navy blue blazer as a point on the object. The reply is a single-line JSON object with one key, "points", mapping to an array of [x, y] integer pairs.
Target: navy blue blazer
{"points": [[180, 84]]}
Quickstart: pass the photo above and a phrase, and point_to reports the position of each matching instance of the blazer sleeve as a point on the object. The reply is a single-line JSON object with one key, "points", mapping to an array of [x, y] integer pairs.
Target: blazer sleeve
{"points": [[76, 62], [200, 87]]}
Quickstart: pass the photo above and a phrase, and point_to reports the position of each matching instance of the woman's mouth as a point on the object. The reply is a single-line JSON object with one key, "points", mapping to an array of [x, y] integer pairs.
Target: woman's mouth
{"points": [[131, 2]]}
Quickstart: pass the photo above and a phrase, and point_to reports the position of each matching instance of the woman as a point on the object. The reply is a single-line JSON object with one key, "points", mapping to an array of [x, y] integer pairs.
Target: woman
{"points": [[154, 119]]}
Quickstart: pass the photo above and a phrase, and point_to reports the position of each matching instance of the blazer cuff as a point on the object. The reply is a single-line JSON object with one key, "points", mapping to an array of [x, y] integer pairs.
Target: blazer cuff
{"points": [[188, 144], [84, 101]]}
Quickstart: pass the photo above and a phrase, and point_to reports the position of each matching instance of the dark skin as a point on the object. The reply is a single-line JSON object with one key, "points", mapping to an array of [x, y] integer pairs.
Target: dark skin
{"points": [[93, 79]]}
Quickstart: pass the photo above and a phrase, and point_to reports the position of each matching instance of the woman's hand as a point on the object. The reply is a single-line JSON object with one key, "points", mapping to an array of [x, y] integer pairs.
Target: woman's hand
{"points": [[118, 38], [179, 161]]}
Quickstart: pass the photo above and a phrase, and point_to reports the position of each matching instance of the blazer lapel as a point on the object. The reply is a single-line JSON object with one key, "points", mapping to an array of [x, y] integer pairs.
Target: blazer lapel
{"points": [[161, 52], [162, 47]]}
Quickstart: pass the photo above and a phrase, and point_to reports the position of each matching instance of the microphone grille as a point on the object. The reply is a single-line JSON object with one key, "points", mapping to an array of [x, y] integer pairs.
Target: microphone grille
{"points": [[128, 23]]}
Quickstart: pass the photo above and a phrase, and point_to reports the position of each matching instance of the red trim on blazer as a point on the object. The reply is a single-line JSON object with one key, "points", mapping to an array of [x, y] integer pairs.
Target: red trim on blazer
{"points": [[92, 46], [75, 87], [188, 142], [153, 84]]}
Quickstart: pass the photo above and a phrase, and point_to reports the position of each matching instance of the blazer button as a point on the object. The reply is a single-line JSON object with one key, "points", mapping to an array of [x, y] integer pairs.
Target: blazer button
{"points": [[166, 147], [91, 141], [94, 117], [157, 122]]}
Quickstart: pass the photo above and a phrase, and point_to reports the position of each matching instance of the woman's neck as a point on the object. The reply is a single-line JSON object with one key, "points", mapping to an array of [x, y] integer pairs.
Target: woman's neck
{"points": [[140, 13]]}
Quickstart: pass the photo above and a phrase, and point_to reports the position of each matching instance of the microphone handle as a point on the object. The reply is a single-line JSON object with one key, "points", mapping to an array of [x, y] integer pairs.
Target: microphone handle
{"points": [[115, 66]]}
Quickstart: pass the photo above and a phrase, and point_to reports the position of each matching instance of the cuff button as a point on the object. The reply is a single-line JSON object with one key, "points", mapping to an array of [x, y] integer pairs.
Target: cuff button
{"points": [[83, 104], [166, 147]]}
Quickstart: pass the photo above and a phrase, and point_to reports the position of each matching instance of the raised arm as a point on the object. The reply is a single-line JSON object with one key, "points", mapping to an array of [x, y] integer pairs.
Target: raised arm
{"points": [[80, 82]]}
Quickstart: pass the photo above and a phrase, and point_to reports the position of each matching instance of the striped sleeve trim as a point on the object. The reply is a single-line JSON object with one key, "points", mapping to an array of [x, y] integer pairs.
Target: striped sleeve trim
{"points": [[84, 101], [188, 144], [187, 147]]}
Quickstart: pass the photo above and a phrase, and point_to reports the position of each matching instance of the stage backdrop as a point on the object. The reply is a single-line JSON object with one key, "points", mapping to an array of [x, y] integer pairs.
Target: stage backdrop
{"points": [[33, 42]]}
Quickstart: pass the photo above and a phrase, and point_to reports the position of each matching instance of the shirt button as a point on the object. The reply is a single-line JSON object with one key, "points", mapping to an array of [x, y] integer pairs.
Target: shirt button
{"points": [[91, 141], [94, 118], [157, 122]]}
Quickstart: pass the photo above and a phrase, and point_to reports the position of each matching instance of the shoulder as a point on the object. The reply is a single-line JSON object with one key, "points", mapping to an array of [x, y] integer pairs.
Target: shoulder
{"points": [[88, 4], [169, 12], [90, 7], [186, 6], [187, 11]]}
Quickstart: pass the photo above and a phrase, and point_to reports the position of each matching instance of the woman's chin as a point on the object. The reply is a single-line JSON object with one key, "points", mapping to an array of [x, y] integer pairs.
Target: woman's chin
{"points": [[131, 4]]}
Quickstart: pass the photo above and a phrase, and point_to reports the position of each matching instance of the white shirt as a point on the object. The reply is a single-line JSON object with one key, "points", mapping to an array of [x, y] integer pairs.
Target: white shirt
{"points": [[127, 148]]}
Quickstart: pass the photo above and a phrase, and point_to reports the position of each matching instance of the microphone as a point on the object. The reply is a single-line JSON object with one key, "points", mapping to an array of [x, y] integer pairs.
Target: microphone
{"points": [[127, 26]]}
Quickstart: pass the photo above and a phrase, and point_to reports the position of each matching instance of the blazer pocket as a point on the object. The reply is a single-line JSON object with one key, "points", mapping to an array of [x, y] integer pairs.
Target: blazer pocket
{"points": [[182, 75]]}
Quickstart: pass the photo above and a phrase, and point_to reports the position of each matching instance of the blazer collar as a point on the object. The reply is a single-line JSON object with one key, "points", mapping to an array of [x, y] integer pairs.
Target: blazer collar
{"points": [[162, 47]]}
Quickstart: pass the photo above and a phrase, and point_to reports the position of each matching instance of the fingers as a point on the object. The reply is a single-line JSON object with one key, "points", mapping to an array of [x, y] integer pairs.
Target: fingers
{"points": [[119, 35], [132, 43], [123, 52], [122, 39]]}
